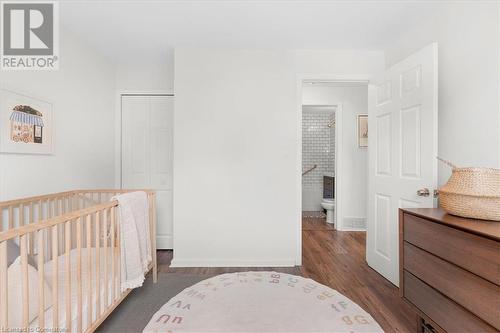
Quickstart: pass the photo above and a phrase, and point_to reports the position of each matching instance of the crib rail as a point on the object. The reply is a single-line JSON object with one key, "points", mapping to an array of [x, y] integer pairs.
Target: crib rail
{"points": [[77, 234]]}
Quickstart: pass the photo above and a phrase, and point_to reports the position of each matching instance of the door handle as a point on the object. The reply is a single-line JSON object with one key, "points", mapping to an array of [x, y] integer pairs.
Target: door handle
{"points": [[424, 192]]}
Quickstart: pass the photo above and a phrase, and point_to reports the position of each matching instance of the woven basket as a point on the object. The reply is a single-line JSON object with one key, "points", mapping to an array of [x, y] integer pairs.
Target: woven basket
{"points": [[472, 192]]}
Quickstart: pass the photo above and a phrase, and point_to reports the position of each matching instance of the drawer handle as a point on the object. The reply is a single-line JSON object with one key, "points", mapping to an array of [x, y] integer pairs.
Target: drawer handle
{"points": [[428, 328]]}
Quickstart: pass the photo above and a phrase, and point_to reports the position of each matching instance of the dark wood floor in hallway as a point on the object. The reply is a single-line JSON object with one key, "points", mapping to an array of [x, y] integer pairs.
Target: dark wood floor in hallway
{"points": [[335, 259]]}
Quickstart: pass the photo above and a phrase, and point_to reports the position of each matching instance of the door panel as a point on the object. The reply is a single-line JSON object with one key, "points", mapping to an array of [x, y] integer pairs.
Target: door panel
{"points": [[147, 139], [384, 144], [410, 142], [135, 142], [161, 142], [382, 214], [402, 152], [164, 230]]}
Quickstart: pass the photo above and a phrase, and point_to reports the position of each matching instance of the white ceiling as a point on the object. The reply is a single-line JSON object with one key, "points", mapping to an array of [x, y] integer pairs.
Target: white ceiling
{"points": [[121, 29]]}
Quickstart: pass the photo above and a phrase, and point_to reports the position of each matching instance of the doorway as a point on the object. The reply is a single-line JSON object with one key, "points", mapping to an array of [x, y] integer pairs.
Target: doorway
{"points": [[321, 143], [350, 172]]}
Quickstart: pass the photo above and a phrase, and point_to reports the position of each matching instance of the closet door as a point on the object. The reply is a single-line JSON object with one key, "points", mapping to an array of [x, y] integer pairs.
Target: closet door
{"points": [[147, 154]]}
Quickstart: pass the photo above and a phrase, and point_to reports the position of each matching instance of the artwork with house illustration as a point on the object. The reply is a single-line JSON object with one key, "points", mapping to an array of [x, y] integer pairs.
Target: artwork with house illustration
{"points": [[26, 124]]}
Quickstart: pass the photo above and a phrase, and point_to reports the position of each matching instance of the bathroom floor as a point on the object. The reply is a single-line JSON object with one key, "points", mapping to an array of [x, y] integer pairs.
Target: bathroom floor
{"points": [[315, 221], [307, 214]]}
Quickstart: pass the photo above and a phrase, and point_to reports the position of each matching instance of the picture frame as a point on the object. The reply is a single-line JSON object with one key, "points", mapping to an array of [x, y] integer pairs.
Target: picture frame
{"points": [[26, 124], [363, 131]]}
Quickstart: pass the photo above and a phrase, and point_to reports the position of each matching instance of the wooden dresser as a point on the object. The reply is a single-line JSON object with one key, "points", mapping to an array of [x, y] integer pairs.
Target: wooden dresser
{"points": [[450, 271]]}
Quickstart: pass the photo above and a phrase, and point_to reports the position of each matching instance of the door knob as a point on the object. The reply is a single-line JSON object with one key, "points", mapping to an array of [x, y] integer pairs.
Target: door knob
{"points": [[424, 192]]}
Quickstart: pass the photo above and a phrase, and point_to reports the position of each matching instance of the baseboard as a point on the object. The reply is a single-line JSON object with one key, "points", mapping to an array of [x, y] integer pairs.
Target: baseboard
{"points": [[352, 229], [353, 223], [164, 242], [231, 263]]}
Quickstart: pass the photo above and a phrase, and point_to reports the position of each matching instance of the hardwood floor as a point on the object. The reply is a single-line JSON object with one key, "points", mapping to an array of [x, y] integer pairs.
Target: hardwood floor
{"points": [[335, 259]]}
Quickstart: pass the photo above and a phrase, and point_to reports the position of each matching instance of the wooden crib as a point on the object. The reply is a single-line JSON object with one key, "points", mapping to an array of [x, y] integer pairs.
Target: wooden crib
{"points": [[73, 238]]}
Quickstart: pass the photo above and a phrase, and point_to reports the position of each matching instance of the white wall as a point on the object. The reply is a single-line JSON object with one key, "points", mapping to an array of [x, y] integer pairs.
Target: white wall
{"points": [[354, 160], [469, 67], [141, 73], [236, 152], [82, 95]]}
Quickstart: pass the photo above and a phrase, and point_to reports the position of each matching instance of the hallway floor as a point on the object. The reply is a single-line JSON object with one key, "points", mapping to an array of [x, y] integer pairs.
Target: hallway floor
{"points": [[335, 259]]}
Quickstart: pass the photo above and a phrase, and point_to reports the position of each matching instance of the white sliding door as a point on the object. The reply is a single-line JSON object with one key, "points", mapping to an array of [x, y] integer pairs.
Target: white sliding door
{"points": [[147, 136]]}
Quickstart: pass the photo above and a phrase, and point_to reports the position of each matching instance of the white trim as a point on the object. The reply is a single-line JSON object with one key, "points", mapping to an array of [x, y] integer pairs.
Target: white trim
{"points": [[300, 78], [298, 173], [346, 228], [164, 242], [339, 172], [118, 125], [231, 263], [146, 92], [354, 229]]}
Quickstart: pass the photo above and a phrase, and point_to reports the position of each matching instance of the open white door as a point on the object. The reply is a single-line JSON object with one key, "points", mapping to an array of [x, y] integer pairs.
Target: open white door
{"points": [[402, 152]]}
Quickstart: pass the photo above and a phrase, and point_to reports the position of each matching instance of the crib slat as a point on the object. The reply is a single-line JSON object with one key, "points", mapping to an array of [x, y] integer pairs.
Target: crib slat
{"points": [[113, 254], [98, 262], [89, 270], [11, 217], [21, 215], [41, 282], [55, 277], [67, 228], [1, 220], [25, 285], [119, 252], [105, 245], [39, 216], [48, 214], [61, 235], [79, 273], [31, 238], [4, 322], [73, 207], [54, 206]]}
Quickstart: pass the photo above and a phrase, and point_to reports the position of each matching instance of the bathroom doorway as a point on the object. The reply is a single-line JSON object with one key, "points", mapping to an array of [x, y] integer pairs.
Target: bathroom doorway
{"points": [[345, 97], [337, 106], [320, 155]]}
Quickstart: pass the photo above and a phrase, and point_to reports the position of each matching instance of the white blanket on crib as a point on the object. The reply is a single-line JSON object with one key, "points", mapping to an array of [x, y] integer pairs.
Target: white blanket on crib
{"points": [[135, 244]]}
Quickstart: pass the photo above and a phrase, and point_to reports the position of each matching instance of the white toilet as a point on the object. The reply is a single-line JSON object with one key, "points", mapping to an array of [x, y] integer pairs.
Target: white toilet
{"points": [[329, 205]]}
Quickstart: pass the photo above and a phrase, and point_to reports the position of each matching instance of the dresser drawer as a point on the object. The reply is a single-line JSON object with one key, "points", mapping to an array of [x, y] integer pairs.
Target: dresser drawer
{"points": [[474, 293], [476, 254], [450, 316]]}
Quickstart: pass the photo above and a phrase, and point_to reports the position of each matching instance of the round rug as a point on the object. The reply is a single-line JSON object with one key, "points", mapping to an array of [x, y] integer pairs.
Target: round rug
{"points": [[261, 302]]}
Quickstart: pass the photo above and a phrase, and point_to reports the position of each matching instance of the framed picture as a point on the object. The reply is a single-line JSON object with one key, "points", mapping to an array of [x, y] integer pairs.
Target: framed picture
{"points": [[362, 130], [26, 124]]}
